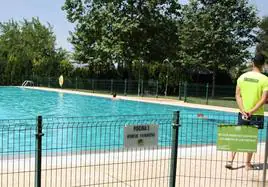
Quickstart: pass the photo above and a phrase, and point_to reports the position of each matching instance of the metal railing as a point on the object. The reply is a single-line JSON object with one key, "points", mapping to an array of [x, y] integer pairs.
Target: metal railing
{"points": [[152, 88], [201, 164], [90, 151]]}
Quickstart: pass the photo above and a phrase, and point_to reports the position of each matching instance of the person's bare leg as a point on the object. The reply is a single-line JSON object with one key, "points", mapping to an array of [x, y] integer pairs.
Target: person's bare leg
{"points": [[232, 156], [229, 164], [248, 161]]}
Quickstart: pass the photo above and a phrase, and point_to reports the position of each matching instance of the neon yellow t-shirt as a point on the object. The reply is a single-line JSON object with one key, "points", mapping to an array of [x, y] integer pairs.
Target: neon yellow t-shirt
{"points": [[252, 85]]}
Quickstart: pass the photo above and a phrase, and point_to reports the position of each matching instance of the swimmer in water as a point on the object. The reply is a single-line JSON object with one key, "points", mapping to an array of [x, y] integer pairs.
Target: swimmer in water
{"points": [[202, 116]]}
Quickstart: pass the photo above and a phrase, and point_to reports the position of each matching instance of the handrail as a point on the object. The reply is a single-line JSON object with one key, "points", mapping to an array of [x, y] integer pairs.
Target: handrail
{"points": [[27, 83]]}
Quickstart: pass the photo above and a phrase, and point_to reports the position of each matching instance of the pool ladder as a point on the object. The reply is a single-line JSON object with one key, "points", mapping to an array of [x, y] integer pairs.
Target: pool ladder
{"points": [[28, 83]]}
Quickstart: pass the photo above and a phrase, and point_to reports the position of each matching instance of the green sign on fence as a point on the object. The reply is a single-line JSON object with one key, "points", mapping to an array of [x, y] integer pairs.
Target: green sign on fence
{"points": [[237, 138]]}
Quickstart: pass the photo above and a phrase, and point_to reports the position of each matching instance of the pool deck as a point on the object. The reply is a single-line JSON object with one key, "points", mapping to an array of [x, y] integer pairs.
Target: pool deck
{"points": [[164, 101], [196, 167]]}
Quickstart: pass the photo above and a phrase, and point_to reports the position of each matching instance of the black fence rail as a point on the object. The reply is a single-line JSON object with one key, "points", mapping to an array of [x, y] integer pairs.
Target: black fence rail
{"points": [[184, 90], [91, 151]]}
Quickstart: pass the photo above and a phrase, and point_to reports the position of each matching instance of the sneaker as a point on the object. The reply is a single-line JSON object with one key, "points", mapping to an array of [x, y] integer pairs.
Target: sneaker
{"points": [[229, 165]]}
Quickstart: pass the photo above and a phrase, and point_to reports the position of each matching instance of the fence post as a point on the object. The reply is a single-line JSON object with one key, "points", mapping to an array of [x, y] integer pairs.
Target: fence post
{"points": [[38, 152], [48, 82], [125, 89], [265, 159], [76, 83], [179, 90], [166, 88], [142, 91], [112, 84], [139, 88], [174, 150], [93, 85], [156, 95], [207, 87], [185, 91]]}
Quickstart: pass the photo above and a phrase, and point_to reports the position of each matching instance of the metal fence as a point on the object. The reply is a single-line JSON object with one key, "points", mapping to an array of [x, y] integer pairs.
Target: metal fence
{"points": [[201, 164], [152, 88], [90, 151], [124, 87]]}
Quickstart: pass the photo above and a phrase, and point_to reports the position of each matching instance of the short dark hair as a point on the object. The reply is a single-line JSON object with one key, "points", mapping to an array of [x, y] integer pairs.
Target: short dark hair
{"points": [[259, 60]]}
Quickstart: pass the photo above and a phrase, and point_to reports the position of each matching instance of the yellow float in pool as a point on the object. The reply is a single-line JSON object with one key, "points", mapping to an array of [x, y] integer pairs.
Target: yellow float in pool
{"points": [[61, 80]]}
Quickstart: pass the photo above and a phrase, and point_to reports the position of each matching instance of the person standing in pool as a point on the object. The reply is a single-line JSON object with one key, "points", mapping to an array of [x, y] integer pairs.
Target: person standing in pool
{"points": [[251, 95]]}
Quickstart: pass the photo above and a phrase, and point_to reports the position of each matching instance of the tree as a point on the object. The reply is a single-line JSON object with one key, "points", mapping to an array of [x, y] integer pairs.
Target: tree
{"points": [[217, 34], [123, 32], [27, 49], [263, 37], [66, 68]]}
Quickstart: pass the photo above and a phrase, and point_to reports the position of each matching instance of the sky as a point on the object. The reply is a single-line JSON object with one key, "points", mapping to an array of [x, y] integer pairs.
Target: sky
{"points": [[49, 11]]}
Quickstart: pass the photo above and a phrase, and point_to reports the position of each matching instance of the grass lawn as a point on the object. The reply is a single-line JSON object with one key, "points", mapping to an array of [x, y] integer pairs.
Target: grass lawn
{"points": [[218, 101]]}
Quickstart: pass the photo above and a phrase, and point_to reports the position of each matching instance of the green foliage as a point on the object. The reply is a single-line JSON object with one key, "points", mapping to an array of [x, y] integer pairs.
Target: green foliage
{"points": [[66, 68], [127, 39], [123, 32], [263, 37], [27, 48], [216, 35], [140, 35]]}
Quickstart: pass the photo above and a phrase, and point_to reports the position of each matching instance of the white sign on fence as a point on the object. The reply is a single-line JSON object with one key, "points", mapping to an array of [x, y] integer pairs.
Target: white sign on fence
{"points": [[140, 136]]}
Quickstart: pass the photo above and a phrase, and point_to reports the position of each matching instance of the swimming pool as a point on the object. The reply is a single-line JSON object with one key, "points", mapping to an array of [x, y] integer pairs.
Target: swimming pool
{"points": [[105, 131], [21, 103]]}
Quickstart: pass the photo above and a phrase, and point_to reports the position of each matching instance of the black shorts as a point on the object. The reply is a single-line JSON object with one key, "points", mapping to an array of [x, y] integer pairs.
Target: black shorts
{"points": [[256, 120]]}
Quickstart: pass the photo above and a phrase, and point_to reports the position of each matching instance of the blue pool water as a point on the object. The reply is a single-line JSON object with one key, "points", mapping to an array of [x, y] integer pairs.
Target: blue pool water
{"points": [[21, 103], [63, 133]]}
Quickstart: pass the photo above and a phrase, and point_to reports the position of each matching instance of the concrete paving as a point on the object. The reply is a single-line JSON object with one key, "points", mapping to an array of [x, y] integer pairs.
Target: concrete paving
{"points": [[197, 166]]}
